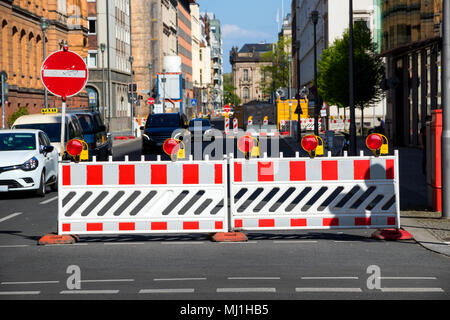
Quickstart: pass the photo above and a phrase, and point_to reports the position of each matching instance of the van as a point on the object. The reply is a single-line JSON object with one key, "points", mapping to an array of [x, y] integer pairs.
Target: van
{"points": [[51, 125]]}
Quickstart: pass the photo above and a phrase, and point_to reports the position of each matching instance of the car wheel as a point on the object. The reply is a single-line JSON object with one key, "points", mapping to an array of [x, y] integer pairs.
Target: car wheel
{"points": [[54, 186], [42, 188]]}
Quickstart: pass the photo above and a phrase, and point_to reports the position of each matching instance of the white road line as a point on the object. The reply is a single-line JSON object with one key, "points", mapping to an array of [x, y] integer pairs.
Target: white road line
{"points": [[328, 290], [49, 200], [11, 216], [412, 290], [181, 242], [228, 290], [122, 243], [31, 282], [107, 280], [294, 241], [187, 290], [179, 279], [407, 278], [254, 278], [15, 293], [238, 242], [89, 292], [329, 278]]}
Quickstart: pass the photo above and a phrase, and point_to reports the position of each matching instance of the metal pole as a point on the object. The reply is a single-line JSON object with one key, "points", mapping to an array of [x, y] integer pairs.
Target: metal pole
{"points": [[44, 55], [290, 104], [109, 65], [3, 99], [132, 94], [103, 87], [445, 139], [63, 126], [353, 144], [316, 102]]}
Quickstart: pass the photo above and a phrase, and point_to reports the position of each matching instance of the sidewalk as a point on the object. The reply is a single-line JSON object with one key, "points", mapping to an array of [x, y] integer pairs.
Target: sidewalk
{"points": [[416, 216]]}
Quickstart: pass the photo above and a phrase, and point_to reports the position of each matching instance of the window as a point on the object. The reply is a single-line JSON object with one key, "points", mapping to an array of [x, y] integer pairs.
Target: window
{"points": [[92, 59], [245, 93], [92, 25], [245, 75]]}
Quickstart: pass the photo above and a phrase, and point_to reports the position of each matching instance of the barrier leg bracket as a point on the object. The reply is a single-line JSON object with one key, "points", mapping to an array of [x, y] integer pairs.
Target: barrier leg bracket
{"points": [[392, 234], [53, 238], [228, 237]]}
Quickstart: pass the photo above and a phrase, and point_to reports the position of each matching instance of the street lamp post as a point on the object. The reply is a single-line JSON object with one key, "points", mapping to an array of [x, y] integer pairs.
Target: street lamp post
{"points": [[150, 83], [131, 59], [102, 49], [353, 145], [289, 93], [163, 80], [445, 139], [44, 27], [314, 20]]}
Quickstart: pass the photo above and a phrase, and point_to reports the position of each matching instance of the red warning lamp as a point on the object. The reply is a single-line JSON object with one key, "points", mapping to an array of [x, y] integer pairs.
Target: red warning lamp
{"points": [[171, 146], [309, 143], [374, 141], [74, 147], [245, 144]]}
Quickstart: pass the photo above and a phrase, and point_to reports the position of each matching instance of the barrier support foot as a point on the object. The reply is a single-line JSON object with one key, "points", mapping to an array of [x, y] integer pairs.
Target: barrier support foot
{"points": [[228, 237], [392, 234], [53, 238]]}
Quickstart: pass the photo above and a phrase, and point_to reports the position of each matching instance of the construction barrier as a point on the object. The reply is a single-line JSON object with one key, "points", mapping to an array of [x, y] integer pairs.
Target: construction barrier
{"points": [[321, 193], [142, 197]]}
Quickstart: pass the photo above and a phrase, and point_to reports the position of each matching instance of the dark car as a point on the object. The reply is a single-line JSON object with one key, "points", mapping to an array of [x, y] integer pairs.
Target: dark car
{"points": [[200, 124], [95, 135], [159, 127]]}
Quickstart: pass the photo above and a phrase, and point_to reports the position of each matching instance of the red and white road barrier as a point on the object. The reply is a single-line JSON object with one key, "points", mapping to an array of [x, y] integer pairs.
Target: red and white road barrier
{"points": [[321, 193], [227, 125], [142, 197], [235, 126]]}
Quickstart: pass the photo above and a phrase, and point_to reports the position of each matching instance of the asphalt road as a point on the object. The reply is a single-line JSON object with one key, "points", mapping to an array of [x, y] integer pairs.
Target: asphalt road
{"points": [[272, 265]]}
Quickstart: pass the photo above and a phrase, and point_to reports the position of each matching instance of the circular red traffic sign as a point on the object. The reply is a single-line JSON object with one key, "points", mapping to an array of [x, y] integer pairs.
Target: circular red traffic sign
{"points": [[151, 100], [227, 108], [245, 144], [374, 141], [64, 73], [309, 142]]}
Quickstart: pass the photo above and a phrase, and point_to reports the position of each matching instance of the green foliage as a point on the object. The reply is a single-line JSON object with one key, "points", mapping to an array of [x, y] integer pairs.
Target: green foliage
{"points": [[276, 75], [22, 111], [229, 95], [333, 77]]}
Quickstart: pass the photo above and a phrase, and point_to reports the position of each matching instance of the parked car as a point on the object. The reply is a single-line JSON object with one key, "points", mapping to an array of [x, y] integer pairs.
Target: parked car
{"points": [[27, 161], [159, 127], [51, 125], [95, 135]]}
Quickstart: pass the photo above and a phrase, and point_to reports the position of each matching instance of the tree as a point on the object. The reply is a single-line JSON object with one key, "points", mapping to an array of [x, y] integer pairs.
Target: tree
{"points": [[333, 77], [276, 75], [229, 95], [21, 111]]}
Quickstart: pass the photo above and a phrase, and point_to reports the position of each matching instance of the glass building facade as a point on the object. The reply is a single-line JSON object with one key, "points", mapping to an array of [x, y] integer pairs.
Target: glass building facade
{"points": [[411, 41]]}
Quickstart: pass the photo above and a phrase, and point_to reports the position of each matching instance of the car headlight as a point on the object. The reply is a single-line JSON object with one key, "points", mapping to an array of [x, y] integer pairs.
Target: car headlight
{"points": [[31, 164]]}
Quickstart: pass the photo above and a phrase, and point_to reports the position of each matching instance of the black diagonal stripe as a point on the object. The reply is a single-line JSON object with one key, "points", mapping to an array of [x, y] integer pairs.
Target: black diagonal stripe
{"points": [[94, 203], [79, 203], [191, 202], [175, 202], [110, 203], [126, 203], [143, 203]]}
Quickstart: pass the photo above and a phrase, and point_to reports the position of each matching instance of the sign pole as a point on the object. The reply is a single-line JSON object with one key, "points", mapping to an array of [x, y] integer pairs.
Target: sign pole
{"points": [[3, 74], [63, 125], [445, 139]]}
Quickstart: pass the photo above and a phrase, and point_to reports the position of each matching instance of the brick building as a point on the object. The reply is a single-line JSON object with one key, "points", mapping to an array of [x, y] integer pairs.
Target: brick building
{"points": [[21, 47], [185, 47]]}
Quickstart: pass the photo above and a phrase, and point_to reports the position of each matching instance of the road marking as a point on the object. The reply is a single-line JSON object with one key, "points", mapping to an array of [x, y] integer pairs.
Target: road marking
{"points": [[328, 290], [7, 293], [412, 290], [254, 278], [11, 216], [89, 292], [294, 241], [407, 278], [179, 279], [238, 242], [329, 278], [14, 246], [122, 243], [31, 282], [187, 290], [227, 290], [181, 242], [49, 200], [107, 280]]}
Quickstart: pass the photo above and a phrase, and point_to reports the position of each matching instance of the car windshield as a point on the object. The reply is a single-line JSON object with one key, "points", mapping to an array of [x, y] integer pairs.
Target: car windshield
{"points": [[163, 120], [53, 130], [17, 141], [86, 123], [199, 122]]}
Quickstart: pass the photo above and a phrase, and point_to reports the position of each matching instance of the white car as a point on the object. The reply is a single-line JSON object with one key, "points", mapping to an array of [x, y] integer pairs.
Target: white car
{"points": [[27, 161]]}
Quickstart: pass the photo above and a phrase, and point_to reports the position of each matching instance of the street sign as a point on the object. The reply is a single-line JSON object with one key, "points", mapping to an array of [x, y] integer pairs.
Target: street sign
{"points": [[226, 108], [193, 102], [151, 101], [64, 73]]}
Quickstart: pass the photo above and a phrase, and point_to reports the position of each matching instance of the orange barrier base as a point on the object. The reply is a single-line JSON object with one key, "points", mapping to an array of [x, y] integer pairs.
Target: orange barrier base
{"points": [[228, 237], [53, 238], [392, 234]]}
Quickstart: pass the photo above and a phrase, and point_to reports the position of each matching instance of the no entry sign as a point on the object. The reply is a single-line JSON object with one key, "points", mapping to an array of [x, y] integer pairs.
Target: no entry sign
{"points": [[64, 73], [227, 108], [151, 101]]}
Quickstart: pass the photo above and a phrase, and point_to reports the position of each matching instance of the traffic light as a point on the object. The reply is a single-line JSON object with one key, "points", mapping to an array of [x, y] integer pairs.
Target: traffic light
{"points": [[132, 87]]}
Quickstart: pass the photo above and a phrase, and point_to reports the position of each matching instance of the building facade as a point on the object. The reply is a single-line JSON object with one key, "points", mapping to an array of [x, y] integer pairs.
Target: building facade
{"points": [[411, 42], [185, 49], [22, 40], [246, 67], [108, 91]]}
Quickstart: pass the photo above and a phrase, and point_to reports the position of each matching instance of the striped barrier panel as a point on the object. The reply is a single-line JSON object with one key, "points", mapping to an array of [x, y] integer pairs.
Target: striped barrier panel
{"points": [[321, 193], [142, 197]]}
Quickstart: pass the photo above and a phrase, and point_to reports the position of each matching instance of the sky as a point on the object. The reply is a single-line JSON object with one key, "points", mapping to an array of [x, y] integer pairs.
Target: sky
{"points": [[246, 21]]}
